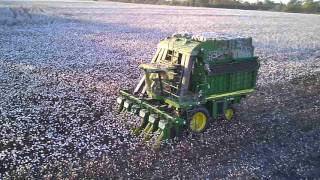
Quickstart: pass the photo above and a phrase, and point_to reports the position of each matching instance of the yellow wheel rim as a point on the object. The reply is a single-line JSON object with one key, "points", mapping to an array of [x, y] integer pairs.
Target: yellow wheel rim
{"points": [[198, 122], [228, 113]]}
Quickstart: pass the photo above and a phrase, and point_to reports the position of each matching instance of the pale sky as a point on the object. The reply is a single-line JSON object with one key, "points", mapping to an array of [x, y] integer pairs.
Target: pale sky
{"points": [[283, 1]]}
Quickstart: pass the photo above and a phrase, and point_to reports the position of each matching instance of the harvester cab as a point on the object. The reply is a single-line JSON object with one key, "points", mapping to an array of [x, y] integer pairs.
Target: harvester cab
{"points": [[191, 81], [156, 77]]}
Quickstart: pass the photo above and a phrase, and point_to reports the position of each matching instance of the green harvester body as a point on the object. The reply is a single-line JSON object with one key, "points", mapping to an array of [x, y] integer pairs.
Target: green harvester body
{"points": [[191, 81]]}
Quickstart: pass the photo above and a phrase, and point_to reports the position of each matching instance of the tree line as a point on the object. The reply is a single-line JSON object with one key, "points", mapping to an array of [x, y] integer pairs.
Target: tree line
{"points": [[297, 6]]}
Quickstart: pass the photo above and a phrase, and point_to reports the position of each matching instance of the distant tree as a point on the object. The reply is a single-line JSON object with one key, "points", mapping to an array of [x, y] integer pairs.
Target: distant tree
{"points": [[269, 5], [310, 6], [259, 5], [200, 2], [279, 7], [293, 6], [226, 3], [306, 6]]}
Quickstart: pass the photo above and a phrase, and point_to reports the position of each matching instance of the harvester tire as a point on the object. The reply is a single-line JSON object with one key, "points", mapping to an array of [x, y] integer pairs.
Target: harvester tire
{"points": [[229, 113], [198, 119]]}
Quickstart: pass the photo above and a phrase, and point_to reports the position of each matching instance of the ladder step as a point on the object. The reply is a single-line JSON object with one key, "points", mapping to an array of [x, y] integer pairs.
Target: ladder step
{"points": [[170, 93], [166, 83]]}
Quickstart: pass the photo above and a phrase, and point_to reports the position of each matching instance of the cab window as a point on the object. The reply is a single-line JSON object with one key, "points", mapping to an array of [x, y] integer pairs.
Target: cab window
{"points": [[169, 55]]}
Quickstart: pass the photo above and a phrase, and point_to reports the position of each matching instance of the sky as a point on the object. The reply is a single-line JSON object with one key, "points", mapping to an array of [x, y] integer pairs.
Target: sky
{"points": [[283, 1]]}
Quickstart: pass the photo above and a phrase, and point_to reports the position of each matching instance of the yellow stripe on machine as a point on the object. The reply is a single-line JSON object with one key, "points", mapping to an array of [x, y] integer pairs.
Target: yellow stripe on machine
{"points": [[235, 93]]}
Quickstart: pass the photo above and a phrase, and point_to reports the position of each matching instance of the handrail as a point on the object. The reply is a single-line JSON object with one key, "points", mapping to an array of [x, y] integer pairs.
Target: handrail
{"points": [[170, 93], [164, 82]]}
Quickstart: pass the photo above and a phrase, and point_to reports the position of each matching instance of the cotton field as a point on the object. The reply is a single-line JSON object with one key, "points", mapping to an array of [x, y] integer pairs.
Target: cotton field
{"points": [[62, 64]]}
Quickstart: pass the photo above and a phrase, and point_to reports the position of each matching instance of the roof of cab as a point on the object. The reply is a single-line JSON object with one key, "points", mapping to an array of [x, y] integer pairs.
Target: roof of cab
{"points": [[191, 44], [180, 44]]}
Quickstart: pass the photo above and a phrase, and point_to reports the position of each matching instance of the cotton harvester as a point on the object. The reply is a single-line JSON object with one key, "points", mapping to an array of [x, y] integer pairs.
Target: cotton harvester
{"points": [[191, 81]]}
